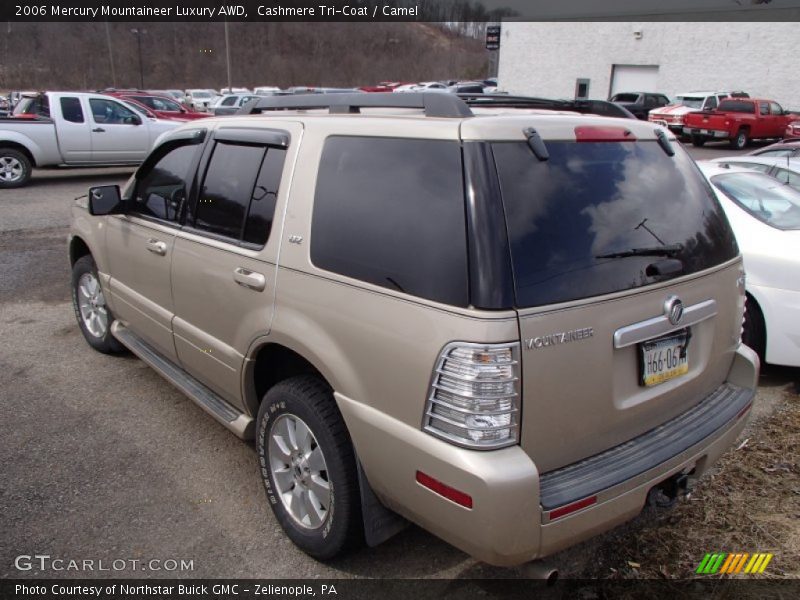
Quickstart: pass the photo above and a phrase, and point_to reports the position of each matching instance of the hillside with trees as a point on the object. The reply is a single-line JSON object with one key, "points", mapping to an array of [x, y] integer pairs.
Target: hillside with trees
{"points": [[184, 55]]}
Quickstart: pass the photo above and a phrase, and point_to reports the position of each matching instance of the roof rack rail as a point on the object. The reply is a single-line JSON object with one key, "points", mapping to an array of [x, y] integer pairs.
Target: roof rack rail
{"points": [[434, 104], [596, 107]]}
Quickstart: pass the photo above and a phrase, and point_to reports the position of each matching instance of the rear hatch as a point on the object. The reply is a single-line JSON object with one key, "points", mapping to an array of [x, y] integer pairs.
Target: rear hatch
{"points": [[606, 236]]}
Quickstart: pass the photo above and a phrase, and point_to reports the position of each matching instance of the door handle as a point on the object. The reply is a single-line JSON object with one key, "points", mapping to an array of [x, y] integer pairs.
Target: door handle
{"points": [[98, 130], [156, 247], [249, 279]]}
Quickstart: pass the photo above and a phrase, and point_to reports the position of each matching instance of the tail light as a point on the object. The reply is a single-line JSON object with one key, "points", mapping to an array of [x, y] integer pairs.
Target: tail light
{"points": [[474, 395]]}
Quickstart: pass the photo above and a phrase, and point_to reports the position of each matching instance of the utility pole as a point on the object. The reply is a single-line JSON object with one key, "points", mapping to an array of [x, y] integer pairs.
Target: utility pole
{"points": [[139, 33], [111, 56], [228, 57]]}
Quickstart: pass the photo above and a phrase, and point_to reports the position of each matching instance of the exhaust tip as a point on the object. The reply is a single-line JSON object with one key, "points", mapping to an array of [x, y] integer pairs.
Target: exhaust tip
{"points": [[542, 571]]}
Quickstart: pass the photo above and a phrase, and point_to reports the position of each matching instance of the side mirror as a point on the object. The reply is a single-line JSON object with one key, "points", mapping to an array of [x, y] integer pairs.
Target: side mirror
{"points": [[105, 200], [133, 120]]}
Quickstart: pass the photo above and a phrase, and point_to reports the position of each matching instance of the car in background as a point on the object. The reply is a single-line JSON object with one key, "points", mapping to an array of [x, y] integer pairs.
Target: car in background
{"points": [[640, 103], [672, 115], [266, 90], [236, 90], [162, 106], [792, 130], [178, 95], [765, 217], [738, 120], [425, 86], [784, 169], [5, 106], [231, 103], [467, 87], [199, 99], [788, 147]]}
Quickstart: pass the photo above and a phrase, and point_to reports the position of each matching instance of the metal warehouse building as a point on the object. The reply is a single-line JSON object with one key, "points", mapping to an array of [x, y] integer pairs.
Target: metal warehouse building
{"points": [[596, 59]]}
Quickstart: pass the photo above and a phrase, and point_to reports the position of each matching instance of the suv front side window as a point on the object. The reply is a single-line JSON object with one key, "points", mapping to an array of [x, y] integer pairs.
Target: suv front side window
{"points": [[161, 192]]}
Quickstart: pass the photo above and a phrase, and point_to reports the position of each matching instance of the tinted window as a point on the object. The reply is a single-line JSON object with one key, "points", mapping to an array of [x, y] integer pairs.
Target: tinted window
{"points": [[229, 101], [71, 110], [391, 212], [741, 106], [162, 191], [592, 199], [625, 98], [265, 193], [109, 112], [775, 108], [763, 197], [228, 186], [763, 108], [711, 103]]}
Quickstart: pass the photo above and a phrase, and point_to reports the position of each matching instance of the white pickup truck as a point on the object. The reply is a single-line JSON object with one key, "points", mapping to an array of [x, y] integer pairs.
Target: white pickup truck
{"points": [[74, 129]]}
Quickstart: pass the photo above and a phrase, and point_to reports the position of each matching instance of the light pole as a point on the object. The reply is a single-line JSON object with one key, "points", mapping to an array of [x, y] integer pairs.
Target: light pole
{"points": [[228, 57], [139, 33]]}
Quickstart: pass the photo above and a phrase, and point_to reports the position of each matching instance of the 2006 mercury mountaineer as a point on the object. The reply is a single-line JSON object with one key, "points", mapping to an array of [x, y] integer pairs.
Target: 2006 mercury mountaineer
{"points": [[508, 322]]}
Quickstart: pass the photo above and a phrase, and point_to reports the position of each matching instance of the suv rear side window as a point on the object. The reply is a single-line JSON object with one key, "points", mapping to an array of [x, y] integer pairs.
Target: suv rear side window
{"points": [[391, 212], [237, 199], [592, 199]]}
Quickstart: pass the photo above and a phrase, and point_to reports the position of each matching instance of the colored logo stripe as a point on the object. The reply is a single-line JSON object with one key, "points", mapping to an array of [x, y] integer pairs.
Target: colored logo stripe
{"points": [[720, 562]]}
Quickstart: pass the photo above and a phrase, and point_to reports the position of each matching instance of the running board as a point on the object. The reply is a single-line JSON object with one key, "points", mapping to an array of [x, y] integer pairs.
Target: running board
{"points": [[232, 418]]}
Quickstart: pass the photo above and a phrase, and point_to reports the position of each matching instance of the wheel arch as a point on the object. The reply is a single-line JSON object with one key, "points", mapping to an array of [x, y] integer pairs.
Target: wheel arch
{"points": [[20, 148], [77, 248]]}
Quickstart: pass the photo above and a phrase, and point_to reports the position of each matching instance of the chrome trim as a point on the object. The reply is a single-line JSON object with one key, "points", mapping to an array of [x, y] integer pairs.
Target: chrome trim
{"points": [[658, 326]]}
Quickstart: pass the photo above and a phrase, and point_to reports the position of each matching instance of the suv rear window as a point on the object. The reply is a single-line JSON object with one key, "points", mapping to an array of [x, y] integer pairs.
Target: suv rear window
{"points": [[597, 198], [739, 106], [391, 212]]}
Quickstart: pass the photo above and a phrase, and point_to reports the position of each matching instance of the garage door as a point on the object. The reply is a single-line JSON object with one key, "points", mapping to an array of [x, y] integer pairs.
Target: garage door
{"points": [[634, 78]]}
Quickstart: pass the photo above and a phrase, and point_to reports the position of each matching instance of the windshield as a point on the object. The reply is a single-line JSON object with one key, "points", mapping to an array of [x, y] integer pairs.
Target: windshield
{"points": [[201, 95], [568, 216], [690, 101], [764, 197]]}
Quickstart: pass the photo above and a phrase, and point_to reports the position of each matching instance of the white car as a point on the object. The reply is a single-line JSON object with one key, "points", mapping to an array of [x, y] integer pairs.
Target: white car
{"points": [[784, 169], [236, 90], [199, 99], [425, 86], [765, 216], [266, 90]]}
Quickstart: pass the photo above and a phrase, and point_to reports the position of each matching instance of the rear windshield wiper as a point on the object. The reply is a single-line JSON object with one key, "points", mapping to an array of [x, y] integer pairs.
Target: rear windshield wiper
{"points": [[670, 250]]}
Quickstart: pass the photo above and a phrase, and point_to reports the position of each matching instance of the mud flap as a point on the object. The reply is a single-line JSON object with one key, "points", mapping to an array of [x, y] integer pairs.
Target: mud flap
{"points": [[380, 523]]}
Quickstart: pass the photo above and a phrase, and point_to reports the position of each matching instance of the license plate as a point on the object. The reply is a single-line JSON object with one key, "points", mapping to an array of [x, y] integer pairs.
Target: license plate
{"points": [[664, 358], [704, 131]]}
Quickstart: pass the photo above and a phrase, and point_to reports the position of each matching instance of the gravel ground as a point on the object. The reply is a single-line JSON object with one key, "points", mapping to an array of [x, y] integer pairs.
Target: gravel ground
{"points": [[105, 460]]}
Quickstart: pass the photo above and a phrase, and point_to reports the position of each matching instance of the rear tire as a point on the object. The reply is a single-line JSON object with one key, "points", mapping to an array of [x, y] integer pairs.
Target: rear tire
{"points": [[93, 315], [755, 330], [15, 168], [698, 141], [308, 467], [741, 140]]}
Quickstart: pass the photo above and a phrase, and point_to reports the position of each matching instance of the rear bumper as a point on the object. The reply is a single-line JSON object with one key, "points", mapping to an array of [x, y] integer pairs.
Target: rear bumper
{"points": [[712, 133], [507, 524]]}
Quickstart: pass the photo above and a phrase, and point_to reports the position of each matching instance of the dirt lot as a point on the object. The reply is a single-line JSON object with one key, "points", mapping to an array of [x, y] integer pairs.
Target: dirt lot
{"points": [[103, 459]]}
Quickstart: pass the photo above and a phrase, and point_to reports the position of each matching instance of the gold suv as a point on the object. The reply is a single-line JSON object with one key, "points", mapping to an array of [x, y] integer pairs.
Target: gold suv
{"points": [[508, 320]]}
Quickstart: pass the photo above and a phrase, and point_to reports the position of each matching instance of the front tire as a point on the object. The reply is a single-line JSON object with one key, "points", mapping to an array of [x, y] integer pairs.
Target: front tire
{"points": [[93, 315], [308, 467], [15, 168]]}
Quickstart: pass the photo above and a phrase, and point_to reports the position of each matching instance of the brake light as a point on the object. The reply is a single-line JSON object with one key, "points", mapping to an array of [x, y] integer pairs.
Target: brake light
{"points": [[444, 490], [603, 133], [474, 399]]}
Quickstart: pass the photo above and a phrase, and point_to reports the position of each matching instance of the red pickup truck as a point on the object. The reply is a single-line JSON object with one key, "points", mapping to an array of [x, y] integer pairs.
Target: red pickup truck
{"points": [[738, 120]]}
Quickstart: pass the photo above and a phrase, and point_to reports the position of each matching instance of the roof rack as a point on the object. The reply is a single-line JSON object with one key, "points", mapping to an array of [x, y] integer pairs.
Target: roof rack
{"points": [[596, 107], [434, 104]]}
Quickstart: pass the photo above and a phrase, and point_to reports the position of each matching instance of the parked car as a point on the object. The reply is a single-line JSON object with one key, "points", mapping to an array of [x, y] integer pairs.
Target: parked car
{"points": [[266, 90], [162, 106], [231, 103], [5, 106], [784, 169], [787, 147], [738, 120], [765, 216], [445, 389], [425, 86], [75, 129], [640, 103], [236, 90], [793, 129], [672, 115], [199, 100], [178, 95], [467, 87]]}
